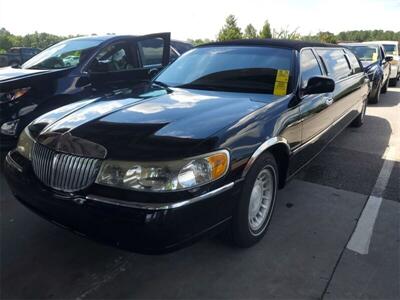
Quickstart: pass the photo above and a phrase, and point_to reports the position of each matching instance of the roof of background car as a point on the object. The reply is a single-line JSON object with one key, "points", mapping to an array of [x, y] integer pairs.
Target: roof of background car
{"points": [[291, 44], [101, 37], [358, 44], [116, 36]]}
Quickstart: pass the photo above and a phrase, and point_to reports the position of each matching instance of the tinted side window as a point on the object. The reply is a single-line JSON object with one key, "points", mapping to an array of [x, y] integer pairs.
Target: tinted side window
{"points": [[336, 63], [354, 62], [112, 58], [309, 66], [151, 51]]}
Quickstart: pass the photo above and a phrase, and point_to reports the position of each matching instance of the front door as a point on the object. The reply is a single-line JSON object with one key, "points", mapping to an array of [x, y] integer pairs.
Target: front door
{"points": [[127, 62]]}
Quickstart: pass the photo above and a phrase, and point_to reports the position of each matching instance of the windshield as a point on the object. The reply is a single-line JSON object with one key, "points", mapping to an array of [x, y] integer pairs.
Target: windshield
{"points": [[365, 53], [65, 54], [390, 49], [234, 68]]}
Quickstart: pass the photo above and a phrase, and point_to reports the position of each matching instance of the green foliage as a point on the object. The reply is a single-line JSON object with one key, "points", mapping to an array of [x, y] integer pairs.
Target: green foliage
{"points": [[230, 31], [285, 33], [37, 40], [250, 32], [368, 35], [266, 32], [327, 37], [196, 42]]}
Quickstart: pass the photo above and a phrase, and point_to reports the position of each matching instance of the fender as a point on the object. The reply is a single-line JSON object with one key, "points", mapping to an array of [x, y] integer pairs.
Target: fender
{"points": [[261, 149]]}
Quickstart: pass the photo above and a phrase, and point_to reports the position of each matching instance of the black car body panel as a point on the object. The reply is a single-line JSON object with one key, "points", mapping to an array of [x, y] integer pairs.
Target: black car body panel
{"points": [[52, 88], [151, 122]]}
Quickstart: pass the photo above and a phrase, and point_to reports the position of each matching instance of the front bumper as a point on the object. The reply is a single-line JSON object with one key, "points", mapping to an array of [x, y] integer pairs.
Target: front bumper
{"points": [[124, 224]]}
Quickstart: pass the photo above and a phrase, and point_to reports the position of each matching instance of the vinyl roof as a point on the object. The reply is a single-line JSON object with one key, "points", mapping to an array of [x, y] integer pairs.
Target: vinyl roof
{"points": [[291, 44]]}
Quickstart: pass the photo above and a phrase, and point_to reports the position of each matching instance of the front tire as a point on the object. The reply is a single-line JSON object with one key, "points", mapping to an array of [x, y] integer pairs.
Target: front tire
{"points": [[376, 94], [257, 202], [359, 121], [385, 86]]}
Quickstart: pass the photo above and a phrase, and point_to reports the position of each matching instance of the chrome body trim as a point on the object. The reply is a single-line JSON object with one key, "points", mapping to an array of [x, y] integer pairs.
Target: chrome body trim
{"points": [[64, 172], [159, 206], [13, 163], [264, 146]]}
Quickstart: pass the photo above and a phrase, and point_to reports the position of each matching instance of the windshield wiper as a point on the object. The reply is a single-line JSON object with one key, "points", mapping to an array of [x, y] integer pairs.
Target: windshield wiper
{"points": [[162, 84]]}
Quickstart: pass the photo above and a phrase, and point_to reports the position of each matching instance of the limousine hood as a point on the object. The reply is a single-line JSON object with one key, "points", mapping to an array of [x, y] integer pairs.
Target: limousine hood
{"points": [[138, 125]]}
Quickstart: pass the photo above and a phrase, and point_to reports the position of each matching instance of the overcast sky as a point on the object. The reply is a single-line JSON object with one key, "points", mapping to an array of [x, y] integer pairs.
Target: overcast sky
{"points": [[194, 18]]}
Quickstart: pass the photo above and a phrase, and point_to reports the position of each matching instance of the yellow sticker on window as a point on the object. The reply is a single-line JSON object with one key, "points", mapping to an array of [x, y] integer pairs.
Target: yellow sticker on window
{"points": [[374, 56], [282, 75], [280, 88], [281, 82]]}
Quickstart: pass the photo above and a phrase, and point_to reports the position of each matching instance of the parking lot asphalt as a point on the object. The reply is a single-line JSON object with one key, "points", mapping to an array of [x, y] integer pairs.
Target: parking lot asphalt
{"points": [[334, 235]]}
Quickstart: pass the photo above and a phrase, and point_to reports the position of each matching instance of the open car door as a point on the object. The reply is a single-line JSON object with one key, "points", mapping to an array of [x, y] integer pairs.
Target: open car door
{"points": [[126, 62]]}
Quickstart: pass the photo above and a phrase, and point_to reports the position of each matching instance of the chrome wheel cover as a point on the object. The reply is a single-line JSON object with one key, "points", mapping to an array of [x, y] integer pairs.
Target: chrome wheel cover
{"points": [[261, 199]]}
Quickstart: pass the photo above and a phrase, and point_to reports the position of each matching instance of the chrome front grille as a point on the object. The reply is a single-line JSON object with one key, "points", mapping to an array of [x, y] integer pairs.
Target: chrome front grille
{"points": [[61, 171]]}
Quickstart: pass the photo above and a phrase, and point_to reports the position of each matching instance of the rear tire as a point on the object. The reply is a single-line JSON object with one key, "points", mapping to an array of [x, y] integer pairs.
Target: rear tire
{"points": [[359, 121], [385, 86], [257, 202]]}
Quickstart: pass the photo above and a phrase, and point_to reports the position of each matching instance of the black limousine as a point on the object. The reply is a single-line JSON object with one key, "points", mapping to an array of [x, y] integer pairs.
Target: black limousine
{"points": [[200, 149], [77, 69]]}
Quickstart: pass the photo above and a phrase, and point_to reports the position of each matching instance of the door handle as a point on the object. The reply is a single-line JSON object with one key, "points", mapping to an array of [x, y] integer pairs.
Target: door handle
{"points": [[328, 100]]}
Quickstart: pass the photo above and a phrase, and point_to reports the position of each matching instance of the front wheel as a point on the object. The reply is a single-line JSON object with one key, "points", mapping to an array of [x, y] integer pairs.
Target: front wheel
{"points": [[256, 204], [375, 95], [359, 121], [385, 86]]}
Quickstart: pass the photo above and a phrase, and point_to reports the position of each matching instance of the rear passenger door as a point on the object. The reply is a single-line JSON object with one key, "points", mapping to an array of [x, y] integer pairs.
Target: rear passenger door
{"points": [[338, 68]]}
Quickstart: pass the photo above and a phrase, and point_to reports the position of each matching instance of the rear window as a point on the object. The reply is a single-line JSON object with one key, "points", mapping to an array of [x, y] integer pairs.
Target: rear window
{"points": [[390, 49], [335, 62]]}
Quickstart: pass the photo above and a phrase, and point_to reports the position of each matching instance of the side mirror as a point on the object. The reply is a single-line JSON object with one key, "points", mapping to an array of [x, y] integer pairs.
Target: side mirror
{"points": [[319, 85], [389, 58]]}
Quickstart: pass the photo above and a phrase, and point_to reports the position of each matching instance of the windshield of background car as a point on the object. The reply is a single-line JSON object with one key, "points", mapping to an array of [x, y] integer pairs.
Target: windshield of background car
{"points": [[65, 54], [390, 49], [365, 53], [233, 68]]}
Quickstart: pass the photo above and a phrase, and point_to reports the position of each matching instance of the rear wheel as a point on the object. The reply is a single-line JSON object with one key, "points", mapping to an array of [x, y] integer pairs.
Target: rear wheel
{"points": [[256, 204]]}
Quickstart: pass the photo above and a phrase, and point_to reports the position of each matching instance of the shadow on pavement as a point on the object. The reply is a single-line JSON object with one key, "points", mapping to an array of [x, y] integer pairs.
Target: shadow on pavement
{"points": [[353, 160]]}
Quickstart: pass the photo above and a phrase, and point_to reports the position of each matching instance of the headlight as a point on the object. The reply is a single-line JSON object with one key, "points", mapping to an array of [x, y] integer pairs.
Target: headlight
{"points": [[165, 176], [15, 94], [25, 144]]}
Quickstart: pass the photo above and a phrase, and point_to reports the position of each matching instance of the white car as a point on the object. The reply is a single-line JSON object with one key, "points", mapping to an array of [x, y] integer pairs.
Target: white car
{"points": [[391, 49]]}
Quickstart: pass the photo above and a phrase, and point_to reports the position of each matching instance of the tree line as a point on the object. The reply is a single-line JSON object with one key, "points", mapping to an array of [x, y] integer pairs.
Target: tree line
{"points": [[36, 40], [229, 31]]}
